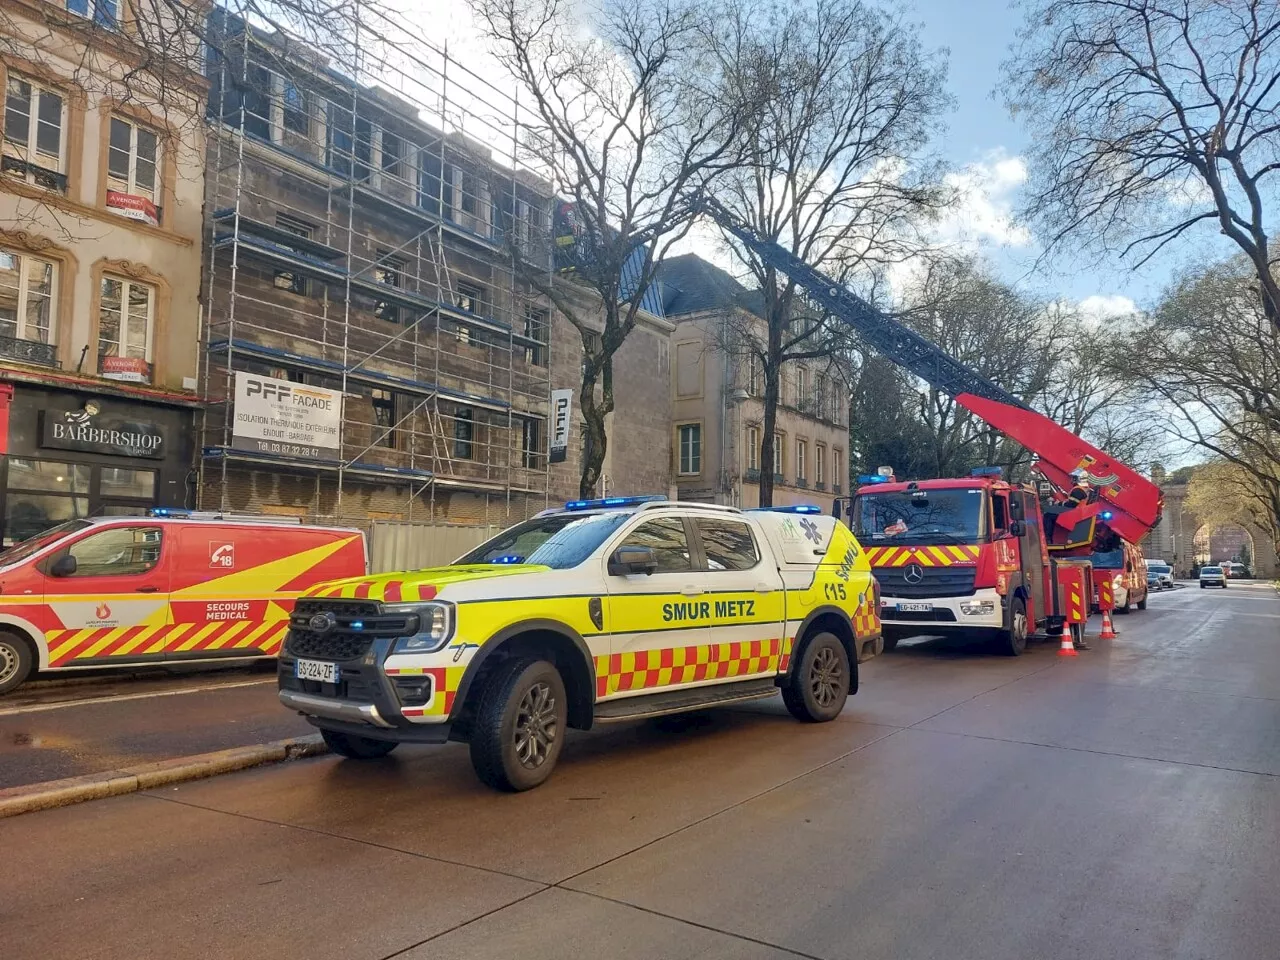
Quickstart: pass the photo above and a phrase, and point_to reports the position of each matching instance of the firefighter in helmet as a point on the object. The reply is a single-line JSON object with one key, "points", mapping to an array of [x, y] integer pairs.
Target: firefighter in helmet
{"points": [[1079, 494]]}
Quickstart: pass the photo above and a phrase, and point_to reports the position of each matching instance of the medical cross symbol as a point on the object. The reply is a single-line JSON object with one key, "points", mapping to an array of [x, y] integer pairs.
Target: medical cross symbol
{"points": [[811, 530]]}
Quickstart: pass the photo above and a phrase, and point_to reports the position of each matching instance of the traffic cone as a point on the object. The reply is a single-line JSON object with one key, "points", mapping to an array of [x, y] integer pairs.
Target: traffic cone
{"points": [[1067, 648], [1108, 631]]}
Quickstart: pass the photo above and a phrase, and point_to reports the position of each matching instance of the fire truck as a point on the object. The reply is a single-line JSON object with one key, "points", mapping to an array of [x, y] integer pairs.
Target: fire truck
{"points": [[978, 552]]}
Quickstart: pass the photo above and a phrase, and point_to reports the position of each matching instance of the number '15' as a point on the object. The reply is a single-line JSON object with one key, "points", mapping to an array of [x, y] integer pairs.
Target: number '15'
{"points": [[834, 591]]}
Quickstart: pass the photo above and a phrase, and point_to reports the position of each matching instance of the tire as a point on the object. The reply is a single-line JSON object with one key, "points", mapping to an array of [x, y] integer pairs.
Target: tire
{"points": [[890, 641], [17, 660], [818, 685], [355, 747], [1203, 586], [1142, 604], [1127, 608], [1013, 638], [520, 725]]}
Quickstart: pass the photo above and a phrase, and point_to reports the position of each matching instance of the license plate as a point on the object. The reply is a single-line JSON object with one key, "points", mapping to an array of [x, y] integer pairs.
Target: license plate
{"points": [[316, 670], [915, 607]]}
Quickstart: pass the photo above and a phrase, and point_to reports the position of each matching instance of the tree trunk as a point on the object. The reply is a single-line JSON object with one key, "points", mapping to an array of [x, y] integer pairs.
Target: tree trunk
{"points": [[596, 440], [767, 439]]}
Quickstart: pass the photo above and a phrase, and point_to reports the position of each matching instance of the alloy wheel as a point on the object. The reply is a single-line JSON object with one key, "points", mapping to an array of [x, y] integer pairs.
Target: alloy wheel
{"points": [[536, 727], [825, 677]]}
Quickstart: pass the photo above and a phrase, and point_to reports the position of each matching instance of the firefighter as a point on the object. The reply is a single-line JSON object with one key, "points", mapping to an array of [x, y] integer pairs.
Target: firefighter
{"points": [[1079, 494]]}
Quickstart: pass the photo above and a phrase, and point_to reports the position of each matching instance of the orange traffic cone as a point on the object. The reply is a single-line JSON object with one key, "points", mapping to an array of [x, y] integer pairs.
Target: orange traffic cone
{"points": [[1108, 631], [1067, 648]]}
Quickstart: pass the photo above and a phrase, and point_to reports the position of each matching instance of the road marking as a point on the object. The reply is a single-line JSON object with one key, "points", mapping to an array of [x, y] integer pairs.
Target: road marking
{"points": [[120, 697]]}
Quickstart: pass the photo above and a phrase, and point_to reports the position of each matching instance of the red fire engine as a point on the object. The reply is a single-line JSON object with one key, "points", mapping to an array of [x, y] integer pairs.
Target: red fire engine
{"points": [[979, 552]]}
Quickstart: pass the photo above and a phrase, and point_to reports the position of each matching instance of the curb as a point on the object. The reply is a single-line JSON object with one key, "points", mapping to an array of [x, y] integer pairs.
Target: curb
{"points": [[111, 783]]}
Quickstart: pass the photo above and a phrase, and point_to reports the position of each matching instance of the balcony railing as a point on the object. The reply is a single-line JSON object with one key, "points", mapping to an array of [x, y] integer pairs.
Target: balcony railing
{"points": [[40, 176], [753, 476], [29, 351]]}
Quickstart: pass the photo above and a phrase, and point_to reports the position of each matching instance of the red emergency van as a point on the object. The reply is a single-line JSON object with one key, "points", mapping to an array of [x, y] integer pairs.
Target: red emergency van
{"points": [[175, 585]]}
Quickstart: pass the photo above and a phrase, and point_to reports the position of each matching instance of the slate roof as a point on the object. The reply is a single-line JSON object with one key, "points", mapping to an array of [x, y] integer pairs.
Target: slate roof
{"points": [[693, 285]]}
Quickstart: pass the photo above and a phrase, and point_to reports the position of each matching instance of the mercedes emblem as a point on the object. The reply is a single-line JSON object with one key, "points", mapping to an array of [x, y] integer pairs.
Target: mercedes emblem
{"points": [[322, 622], [913, 573]]}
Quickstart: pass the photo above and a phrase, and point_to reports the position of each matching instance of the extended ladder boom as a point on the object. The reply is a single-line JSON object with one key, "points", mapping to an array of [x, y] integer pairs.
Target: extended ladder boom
{"points": [[1136, 502]]}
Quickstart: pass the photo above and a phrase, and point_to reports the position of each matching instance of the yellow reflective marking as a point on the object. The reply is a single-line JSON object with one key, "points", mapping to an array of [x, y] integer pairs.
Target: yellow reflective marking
{"points": [[941, 557], [137, 641], [276, 572], [196, 637], [69, 639]]}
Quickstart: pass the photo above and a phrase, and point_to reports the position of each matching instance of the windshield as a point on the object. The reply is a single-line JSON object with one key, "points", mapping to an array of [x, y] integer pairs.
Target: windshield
{"points": [[952, 516], [1108, 559], [1158, 568], [560, 541], [20, 551], [1210, 569]]}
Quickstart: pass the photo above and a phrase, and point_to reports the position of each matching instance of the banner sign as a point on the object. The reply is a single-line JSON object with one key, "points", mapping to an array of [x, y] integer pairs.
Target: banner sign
{"points": [[286, 419], [130, 369], [133, 207], [561, 419]]}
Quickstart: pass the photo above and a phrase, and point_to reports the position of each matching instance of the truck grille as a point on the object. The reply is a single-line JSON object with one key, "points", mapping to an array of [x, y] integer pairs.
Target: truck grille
{"points": [[937, 582], [345, 641]]}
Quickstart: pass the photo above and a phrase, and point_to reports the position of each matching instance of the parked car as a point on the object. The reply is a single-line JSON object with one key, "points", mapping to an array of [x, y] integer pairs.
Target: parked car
{"points": [[1163, 575], [1212, 577]]}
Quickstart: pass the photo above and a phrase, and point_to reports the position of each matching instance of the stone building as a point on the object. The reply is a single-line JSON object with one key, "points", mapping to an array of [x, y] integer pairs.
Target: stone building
{"points": [[101, 186], [718, 405]]}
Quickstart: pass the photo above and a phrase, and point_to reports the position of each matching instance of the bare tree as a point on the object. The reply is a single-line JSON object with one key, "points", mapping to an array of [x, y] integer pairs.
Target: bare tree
{"points": [[620, 128], [1152, 117], [1210, 358], [839, 104]]}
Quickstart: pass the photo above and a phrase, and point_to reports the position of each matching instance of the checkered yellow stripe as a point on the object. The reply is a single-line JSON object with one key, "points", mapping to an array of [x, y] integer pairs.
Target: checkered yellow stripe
{"points": [[941, 556], [445, 683]]}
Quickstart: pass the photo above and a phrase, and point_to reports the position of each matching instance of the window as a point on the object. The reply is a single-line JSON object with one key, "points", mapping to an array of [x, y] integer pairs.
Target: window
{"points": [[753, 448], [464, 428], [837, 468], [34, 144], [1000, 513], [728, 544], [288, 279], [802, 456], [802, 387], [531, 444], [392, 153], [42, 494], [779, 441], [350, 143], [820, 464], [470, 299], [128, 484], [384, 418], [296, 106], [26, 298], [535, 328], [665, 536], [102, 12], [119, 552], [126, 320], [837, 408], [435, 182], [690, 448], [753, 375], [133, 155], [389, 271]]}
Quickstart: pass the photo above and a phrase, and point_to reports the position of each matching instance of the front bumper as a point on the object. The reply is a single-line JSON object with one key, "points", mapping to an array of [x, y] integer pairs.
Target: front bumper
{"points": [[947, 613]]}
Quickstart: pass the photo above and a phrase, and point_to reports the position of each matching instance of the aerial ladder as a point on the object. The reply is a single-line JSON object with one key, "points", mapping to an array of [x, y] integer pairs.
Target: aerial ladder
{"points": [[1128, 503]]}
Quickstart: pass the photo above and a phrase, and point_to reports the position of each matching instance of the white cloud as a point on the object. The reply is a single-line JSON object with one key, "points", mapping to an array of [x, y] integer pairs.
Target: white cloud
{"points": [[1103, 306], [983, 212]]}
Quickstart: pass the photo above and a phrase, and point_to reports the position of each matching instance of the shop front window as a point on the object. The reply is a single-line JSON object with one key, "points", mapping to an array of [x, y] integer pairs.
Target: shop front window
{"points": [[39, 494]]}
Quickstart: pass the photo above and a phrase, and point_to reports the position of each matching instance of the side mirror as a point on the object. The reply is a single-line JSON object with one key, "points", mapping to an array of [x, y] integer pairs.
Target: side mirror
{"points": [[1017, 528], [631, 560], [64, 566]]}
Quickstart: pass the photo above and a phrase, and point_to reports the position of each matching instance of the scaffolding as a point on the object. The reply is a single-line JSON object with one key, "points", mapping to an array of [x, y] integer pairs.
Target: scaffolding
{"points": [[366, 213]]}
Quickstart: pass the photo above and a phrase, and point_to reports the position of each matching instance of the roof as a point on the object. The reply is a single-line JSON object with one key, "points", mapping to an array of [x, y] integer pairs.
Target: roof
{"points": [[693, 285]]}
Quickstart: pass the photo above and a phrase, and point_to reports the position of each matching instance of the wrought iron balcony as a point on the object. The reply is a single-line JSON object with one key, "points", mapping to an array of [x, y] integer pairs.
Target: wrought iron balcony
{"points": [[29, 351], [40, 176]]}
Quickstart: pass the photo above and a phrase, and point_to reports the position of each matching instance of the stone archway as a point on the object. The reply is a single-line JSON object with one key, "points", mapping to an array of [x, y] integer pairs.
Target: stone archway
{"points": [[1224, 542], [1173, 540]]}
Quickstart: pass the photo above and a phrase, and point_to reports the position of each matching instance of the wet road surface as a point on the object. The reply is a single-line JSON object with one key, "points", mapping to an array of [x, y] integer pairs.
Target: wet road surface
{"points": [[1125, 804]]}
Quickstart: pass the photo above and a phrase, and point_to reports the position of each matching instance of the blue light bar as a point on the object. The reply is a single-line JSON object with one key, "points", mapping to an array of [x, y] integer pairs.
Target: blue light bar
{"points": [[987, 472], [1106, 514], [509, 558], [795, 508], [611, 502], [168, 512], [867, 478]]}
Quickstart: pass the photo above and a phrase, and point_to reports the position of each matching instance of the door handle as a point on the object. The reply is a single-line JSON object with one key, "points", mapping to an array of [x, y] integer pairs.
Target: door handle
{"points": [[145, 590], [691, 590]]}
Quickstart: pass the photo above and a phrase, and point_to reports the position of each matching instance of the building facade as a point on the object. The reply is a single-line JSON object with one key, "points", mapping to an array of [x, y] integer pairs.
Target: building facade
{"points": [[101, 188], [718, 405]]}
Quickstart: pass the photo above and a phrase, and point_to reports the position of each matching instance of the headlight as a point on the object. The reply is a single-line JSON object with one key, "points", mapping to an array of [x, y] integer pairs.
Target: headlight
{"points": [[431, 623], [977, 608]]}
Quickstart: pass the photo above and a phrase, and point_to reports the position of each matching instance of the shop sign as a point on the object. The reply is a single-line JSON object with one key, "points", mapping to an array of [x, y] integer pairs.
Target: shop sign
{"points": [[286, 419], [134, 207], [90, 432], [131, 369], [561, 418]]}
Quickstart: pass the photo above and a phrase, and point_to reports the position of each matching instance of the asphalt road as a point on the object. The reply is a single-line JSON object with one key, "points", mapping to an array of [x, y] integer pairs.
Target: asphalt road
{"points": [[1123, 804]]}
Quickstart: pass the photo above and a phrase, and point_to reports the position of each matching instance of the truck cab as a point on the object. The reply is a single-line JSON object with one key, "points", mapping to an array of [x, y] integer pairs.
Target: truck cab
{"points": [[955, 557]]}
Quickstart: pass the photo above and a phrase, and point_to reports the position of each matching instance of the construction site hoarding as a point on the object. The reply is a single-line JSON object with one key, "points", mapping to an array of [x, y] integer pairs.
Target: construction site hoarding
{"points": [[286, 419]]}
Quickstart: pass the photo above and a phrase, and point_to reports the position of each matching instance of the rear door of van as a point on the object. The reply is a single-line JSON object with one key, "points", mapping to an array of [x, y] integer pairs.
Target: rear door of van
{"points": [[111, 604], [236, 583]]}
